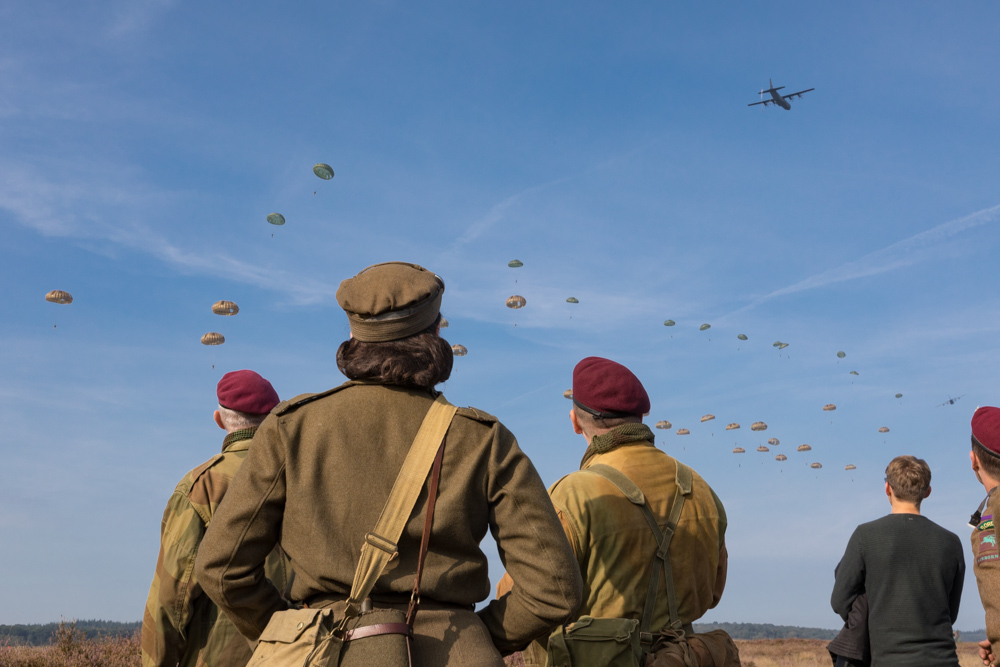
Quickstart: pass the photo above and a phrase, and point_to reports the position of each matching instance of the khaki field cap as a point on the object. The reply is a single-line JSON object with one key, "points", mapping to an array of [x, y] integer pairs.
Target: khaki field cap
{"points": [[390, 301]]}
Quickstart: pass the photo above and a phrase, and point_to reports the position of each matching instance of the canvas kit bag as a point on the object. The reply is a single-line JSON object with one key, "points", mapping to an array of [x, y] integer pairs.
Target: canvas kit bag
{"points": [[364, 636], [623, 642]]}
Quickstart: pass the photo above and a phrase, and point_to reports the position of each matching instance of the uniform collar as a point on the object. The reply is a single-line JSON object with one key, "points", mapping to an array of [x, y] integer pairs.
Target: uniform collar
{"points": [[238, 440], [620, 435]]}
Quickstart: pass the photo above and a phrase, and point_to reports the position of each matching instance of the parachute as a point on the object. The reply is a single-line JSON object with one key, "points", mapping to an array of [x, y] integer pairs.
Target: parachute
{"points": [[850, 466], [777, 343], [59, 296], [663, 424], [276, 218], [683, 431], [732, 427], [829, 407], [817, 466], [782, 346], [515, 263], [742, 336], [443, 323], [803, 448], [841, 354], [459, 350], [225, 308], [780, 457], [213, 338], [704, 327], [568, 393], [758, 426], [572, 299], [854, 373], [322, 170], [763, 448], [739, 450], [774, 442], [707, 418], [516, 301], [883, 429], [669, 323], [899, 396]]}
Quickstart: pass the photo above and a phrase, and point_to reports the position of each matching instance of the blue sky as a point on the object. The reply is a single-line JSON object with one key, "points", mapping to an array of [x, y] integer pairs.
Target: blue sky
{"points": [[609, 148]]}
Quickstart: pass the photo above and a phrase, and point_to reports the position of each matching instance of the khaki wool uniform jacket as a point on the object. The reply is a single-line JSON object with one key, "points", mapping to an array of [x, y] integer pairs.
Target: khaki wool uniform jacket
{"points": [[318, 475], [986, 559], [180, 624], [615, 547]]}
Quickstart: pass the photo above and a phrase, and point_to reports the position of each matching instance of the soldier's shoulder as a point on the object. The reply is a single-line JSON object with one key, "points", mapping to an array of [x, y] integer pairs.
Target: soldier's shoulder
{"points": [[293, 404], [477, 415], [198, 475]]}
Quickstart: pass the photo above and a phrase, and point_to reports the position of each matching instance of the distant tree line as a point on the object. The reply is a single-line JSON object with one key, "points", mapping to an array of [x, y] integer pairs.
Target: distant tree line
{"points": [[43, 634], [768, 631]]}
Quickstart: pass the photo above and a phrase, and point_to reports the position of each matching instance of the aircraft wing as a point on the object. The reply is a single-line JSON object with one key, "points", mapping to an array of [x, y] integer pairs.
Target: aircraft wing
{"points": [[764, 102], [798, 94]]}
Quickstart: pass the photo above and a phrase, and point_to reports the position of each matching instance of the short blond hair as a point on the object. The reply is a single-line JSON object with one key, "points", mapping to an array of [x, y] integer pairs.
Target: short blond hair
{"points": [[909, 478]]}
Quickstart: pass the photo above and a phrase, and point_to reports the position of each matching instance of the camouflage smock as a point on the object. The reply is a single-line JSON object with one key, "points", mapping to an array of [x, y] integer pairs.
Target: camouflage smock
{"points": [[615, 547], [181, 625], [986, 559]]}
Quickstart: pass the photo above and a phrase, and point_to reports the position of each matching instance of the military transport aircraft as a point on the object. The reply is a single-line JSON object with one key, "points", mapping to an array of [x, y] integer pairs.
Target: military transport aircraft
{"points": [[778, 98], [950, 401]]}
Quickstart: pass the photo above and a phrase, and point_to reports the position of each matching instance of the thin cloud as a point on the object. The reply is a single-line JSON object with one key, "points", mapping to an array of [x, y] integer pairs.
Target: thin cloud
{"points": [[903, 253]]}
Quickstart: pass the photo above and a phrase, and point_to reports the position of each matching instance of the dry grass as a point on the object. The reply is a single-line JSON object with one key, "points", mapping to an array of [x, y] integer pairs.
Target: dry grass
{"points": [[812, 653], [73, 649]]}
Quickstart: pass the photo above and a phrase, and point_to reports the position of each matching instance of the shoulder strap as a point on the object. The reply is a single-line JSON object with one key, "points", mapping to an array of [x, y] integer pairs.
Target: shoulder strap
{"points": [[684, 480], [381, 544]]}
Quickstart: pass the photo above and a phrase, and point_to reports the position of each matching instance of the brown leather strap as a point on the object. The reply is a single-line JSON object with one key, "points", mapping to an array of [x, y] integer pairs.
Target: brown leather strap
{"points": [[378, 629], [432, 492]]}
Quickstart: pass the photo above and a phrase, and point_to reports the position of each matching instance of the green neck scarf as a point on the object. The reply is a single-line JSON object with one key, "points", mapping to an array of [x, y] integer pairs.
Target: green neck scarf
{"points": [[236, 436], [615, 438]]}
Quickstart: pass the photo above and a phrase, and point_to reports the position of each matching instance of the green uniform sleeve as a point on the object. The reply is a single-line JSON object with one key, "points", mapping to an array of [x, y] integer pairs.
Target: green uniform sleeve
{"points": [[174, 590]]}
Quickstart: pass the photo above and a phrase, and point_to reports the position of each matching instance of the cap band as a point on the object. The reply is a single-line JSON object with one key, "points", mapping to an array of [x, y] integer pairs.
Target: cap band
{"points": [[601, 415], [975, 441], [395, 324]]}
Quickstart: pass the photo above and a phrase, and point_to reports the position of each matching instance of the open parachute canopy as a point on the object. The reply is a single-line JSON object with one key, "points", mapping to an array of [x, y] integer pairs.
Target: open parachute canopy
{"points": [[663, 424], [732, 427], [213, 338], [803, 448], [704, 327], [459, 350], [774, 442], [276, 218], [742, 336], [841, 354], [516, 301], [883, 429], [739, 450], [829, 407], [780, 457], [568, 393], [669, 323], [323, 170], [817, 466], [443, 323], [899, 396], [855, 373], [783, 346], [707, 418], [572, 299], [763, 448], [59, 296], [850, 466], [225, 308], [758, 426], [515, 263], [683, 431]]}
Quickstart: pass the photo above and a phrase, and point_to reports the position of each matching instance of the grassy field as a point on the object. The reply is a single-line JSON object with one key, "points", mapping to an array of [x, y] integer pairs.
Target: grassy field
{"points": [[72, 649]]}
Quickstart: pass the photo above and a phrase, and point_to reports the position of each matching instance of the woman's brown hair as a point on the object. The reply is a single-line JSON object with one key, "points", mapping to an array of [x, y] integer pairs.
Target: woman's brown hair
{"points": [[422, 360]]}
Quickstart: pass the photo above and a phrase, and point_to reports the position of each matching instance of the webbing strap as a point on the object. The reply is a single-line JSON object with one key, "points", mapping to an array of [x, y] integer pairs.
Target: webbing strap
{"points": [[682, 490], [381, 544]]}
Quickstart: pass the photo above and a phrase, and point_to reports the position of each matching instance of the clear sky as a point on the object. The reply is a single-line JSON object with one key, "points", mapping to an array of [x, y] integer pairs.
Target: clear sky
{"points": [[608, 146]]}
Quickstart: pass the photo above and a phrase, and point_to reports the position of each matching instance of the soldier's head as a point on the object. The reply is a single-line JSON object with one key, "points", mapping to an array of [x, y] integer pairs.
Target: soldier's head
{"points": [[909, 479], [985, 454], [605, 395], [394, 310], [245, 398]]}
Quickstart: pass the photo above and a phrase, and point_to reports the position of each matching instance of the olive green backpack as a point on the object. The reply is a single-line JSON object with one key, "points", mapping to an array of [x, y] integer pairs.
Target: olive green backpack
{"points": [[625, 642]]}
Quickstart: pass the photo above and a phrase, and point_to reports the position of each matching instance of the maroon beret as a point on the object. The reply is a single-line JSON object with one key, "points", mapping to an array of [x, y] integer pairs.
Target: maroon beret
{"points": [[246, 391], [986, 428], [606, 389]]}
